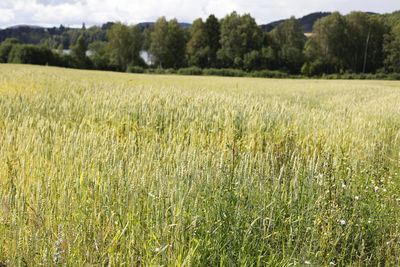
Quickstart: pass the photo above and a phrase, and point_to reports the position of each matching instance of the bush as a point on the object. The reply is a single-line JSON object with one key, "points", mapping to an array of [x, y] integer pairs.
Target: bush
{"points": [[333, 76], [381, 76], [190, 71], [134, 69], [31, 54], [394, 76], [224, 72], [269, 74], [170, 71], [161, 71], [6, 47]]}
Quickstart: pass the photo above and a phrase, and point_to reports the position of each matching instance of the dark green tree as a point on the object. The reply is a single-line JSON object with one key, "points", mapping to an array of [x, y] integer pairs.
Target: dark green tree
{"points": [[99, 57], [5, 49], [124, 46], [167, 44], [158, 42], [176, 44], [212, 31], [197, 49], [60, 49], [288, 41], [204, 43], [31, 54], [239, 36], [392, 49], [326, 51], [78, 54], [365, 42], [78, 51]]}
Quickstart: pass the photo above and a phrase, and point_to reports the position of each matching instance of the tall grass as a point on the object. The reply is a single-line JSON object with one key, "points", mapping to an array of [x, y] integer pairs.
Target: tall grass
{"points": [[100, 168]]}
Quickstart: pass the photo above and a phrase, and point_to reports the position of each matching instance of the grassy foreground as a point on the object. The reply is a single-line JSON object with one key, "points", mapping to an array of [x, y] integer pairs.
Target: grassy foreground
{"points": [[100, 168]]}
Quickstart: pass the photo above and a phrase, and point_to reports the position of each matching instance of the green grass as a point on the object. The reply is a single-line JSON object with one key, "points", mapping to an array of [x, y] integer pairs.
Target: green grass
{"points": [[101, 168]]}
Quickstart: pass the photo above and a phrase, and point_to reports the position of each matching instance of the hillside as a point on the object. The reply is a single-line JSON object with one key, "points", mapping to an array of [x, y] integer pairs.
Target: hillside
{"points": [[307, 22], [30, 34]]}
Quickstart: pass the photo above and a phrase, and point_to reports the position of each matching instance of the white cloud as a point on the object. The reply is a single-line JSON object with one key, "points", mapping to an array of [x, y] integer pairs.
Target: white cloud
{"points": [[74, 12]]}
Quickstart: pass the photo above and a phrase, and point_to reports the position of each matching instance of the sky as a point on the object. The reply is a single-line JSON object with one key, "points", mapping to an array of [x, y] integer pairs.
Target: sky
{"points": [[96, 12]]}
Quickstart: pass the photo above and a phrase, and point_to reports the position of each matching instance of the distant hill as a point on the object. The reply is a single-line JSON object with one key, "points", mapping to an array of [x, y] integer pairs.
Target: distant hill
{"points": [[29, 34], [307, 22], [25, 26], [148, 24]]}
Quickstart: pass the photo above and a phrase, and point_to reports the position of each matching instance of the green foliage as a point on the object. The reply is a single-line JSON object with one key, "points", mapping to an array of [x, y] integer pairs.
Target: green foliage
{"points": [[252, 60], [125, 44], [392, 49], [5, 49], [366, 36], [78, 54], [288, 40], [327, 42], [134, 69], [224, 72], [346, 43], [30, 54], [197, 48], [212, 29], [190, 71], [356, 43], [315, 67], [167, 44], [239, 35], [60, 49], [269, 74], [100, 58], [204, 43], [78, 51]]}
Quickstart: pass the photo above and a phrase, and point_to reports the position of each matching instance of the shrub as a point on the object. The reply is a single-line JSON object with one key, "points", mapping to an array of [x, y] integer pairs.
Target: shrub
{"points": [[134, 69], [394, 76], [170, 71], [6, 47], [30, 54], [224, 72], [269, 74], [190, 71]]}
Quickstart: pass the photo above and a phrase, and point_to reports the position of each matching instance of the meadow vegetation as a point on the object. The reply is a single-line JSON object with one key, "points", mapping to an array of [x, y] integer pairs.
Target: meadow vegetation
{"points": [[101, 168]]}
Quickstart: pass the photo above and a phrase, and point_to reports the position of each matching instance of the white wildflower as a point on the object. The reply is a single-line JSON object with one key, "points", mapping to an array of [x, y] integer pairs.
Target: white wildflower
{"points": [[342, 222], [356, 197]]}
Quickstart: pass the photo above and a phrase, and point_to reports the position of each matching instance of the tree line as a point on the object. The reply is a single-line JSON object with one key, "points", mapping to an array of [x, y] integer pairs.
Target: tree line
{"points": [[356, 43]]}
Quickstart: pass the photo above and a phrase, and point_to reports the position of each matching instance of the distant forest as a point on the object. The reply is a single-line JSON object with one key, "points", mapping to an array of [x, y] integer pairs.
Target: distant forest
{"points": [[315, 45]]}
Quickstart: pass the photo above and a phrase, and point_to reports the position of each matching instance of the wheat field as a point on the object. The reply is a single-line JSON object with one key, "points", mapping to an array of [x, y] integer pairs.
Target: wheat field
{"points": [[114, 169]]}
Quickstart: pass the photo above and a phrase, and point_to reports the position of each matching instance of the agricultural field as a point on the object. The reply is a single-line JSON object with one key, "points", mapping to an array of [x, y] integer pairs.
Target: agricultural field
{"points": [[110, 169]]}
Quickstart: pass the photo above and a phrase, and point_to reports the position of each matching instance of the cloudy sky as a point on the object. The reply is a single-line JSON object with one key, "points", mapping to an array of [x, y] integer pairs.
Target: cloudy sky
{"points": [[74, 12]]}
